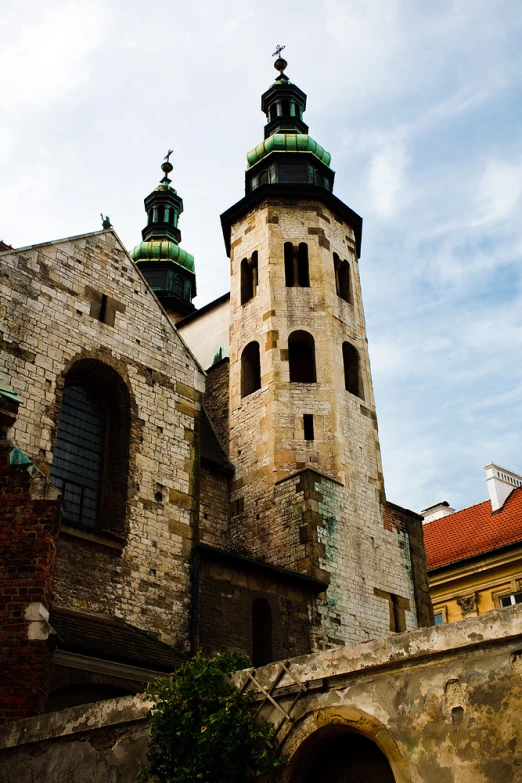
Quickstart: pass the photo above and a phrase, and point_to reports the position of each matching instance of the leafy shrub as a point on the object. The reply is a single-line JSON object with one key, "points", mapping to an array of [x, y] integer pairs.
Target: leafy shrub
{"points": [[203, 729]]}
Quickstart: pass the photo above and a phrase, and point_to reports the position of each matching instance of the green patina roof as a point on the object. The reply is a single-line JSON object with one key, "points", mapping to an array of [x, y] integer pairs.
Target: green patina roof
{"points": [[8, 392], [163, 250], [288, 142]]}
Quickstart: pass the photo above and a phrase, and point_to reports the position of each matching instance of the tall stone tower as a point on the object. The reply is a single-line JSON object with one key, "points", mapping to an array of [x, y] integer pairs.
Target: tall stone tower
{"points": [[308, 493], [166, 266]]}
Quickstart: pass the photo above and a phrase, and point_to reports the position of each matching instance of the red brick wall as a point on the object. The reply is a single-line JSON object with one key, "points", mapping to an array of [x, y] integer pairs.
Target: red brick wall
{"points": [[29, 520]]}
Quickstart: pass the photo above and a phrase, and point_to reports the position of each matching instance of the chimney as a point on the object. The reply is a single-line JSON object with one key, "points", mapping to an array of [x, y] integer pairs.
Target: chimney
{"points": [[436, 512], [501, 483]]}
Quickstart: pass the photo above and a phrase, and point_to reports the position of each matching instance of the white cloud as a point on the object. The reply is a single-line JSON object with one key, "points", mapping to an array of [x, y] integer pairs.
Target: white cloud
{"points": [[386, 179], [48, 57]]}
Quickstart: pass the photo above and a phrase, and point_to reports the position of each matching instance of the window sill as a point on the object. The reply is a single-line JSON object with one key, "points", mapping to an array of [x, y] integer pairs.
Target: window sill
{"points": [[110, 540]]}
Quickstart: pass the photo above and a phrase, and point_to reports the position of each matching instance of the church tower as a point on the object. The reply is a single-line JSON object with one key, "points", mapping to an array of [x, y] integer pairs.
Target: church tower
{"points": [[166, 266], [308, 491]]}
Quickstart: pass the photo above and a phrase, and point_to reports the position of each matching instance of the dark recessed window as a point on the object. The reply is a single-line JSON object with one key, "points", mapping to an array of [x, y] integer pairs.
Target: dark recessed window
{"points": [[301, 357], [250, 369], [352, 379], [308, 422], [262, 644]]}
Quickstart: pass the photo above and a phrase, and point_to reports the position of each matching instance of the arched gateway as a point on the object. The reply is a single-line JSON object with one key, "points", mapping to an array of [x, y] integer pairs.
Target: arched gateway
{"points": [[346, 757]]}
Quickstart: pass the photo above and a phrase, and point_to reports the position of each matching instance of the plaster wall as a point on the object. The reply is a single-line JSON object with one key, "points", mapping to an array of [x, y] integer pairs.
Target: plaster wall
{"points": [[206, 334], [442, 703]]}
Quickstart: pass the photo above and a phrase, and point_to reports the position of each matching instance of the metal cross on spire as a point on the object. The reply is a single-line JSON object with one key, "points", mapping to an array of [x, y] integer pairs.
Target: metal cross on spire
{"points": [[278, 50], [167, 156]]}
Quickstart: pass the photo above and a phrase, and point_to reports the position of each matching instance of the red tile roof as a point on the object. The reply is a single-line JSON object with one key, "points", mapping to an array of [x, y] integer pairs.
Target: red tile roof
{"points": [[473, 531]]}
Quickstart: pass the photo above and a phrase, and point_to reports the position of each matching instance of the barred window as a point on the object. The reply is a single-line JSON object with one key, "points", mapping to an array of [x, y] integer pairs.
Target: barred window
{"points": [[77, 462]]}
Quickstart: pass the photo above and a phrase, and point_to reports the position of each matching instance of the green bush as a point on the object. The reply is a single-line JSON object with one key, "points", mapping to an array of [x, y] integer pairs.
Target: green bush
{"points": [[203, 729]]}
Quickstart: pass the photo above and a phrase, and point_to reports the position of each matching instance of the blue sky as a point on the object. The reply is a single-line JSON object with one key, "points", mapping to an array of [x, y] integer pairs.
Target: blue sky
{"points": [[420, 105]]}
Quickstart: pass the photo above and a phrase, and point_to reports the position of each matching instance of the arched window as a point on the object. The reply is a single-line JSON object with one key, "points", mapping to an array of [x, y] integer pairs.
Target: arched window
{"points": [[178, 286], [188, 291], [91, 454], [161, 214], [264, 177], [303, 276], [78, 455], [249, 271], [285, 107], [301, 356], [352, 379], [250, 369], [273, 112], [319, 179], [342, 278], [262, 645], [151, 216], [296, 265]]}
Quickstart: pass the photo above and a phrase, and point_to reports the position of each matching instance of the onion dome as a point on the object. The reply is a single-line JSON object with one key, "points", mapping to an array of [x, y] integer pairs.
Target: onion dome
{"points": [[167, 267], [288, 154]]}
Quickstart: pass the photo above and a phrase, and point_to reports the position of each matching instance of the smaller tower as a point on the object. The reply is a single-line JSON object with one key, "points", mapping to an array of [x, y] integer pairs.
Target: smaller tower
{"points": [[167, 267]]}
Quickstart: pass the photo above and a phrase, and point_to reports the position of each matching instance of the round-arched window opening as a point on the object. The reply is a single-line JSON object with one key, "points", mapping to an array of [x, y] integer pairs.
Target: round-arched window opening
{"points": [[339, 755], [301, 356]]}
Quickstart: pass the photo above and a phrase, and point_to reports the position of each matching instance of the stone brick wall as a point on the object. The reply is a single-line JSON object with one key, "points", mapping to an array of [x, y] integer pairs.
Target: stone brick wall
{"points": [[227, 593], [215, 400], [49, 323], [339, 530], [213, 508], [30, 509]]}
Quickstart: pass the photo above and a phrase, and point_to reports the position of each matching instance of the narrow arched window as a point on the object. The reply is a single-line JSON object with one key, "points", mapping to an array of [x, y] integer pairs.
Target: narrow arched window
{"points": [[264, 178], [262, 634], [285, 107], [250, 369], [78, 454], [161, 214], [337, 264], [92, 449], [303, 275], [289, 264], [344, 281], [301, 356], [151, 216], [273, 112], [319, 179], [249, 275], [352, 377], [178, 286]]}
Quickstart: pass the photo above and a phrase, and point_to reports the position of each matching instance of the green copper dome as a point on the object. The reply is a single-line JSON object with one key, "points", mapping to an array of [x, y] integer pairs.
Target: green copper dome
{"points": [[163, 250], [288, 142]]}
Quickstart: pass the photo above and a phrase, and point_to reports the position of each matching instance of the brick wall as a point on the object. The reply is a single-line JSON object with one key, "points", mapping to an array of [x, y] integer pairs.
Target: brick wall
{"points": [[213, 508], [335, 527], [29, 518], [215, 400], [51, 324], [227, 593]]}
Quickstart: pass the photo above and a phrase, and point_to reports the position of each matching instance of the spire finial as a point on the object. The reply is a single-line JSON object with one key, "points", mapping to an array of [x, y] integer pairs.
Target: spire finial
{"points": [[167, 166], [280, 64]]}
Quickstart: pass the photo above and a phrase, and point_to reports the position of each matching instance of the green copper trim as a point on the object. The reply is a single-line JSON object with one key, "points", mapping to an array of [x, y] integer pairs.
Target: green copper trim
{"points": [[7, 392], [288, 142], [163, 250]]}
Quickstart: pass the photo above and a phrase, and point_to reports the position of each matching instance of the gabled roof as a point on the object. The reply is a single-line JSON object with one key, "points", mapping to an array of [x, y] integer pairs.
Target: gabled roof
{"points": [[473, 531], [111, 639]]}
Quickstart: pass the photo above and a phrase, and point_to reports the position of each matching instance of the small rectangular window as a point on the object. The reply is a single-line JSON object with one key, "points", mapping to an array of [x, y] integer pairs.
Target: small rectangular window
{"points": [[511, 600], [438, 618], [308, 421]]}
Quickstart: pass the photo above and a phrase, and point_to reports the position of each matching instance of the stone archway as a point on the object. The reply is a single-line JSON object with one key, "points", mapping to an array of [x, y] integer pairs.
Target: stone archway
{"points": [[342, 745], [343, 756]]}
